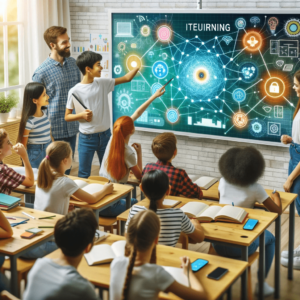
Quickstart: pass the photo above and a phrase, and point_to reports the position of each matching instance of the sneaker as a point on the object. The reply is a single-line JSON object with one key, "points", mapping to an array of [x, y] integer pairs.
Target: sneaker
{"points": [[285, 254], [268, 290], [296, 262]]}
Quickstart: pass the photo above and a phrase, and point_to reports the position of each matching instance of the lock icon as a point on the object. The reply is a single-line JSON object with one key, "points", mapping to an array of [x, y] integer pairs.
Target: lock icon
{"points": [[274, 87]]}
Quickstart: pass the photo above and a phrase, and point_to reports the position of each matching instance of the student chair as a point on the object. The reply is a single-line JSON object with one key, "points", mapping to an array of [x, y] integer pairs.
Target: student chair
{"points": [[23, 267], [251, 259], [109, 224], [184, 240]]}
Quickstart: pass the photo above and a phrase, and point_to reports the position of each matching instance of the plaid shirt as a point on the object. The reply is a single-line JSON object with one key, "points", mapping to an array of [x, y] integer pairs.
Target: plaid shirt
{"points": [[180, 182], [9, 179], [58, 80]]}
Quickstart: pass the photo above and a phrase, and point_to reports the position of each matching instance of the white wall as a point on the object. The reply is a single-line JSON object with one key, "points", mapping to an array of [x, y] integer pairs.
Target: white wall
{"points": [[195, 155]]}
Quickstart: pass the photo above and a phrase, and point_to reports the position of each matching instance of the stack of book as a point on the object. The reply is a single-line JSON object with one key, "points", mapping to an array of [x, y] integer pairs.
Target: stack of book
{"points": [[7, 202]]}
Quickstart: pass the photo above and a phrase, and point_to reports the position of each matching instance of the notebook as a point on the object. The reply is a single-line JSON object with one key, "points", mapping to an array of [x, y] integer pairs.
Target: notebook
{"points": [[79, 106], [100, 236], [204, 182], [170, 202], [101, 254], [21, 170], [8, 202], [90, 188], [206, 213], [178, 275]]}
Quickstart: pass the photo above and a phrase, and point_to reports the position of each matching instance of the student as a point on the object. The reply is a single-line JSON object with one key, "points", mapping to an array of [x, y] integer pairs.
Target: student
{"points": [[165, 150], [54, 189], [58, 278], [92, 91], [155, 185], [241, 168], [10, 179], [137, 277], [5, 232], [34, 130], [120, 158]]}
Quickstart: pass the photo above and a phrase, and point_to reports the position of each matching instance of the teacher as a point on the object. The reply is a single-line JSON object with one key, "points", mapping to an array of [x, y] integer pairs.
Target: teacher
{"points": [[292, 183]]}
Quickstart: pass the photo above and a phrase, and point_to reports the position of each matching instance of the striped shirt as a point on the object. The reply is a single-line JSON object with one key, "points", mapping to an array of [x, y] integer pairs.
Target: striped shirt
{"points": [[9, 179], [39, 129], [173, 221]]}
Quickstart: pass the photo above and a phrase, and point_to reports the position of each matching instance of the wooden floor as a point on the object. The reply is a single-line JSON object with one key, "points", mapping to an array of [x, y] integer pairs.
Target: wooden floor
{"points": [[289, 290]]}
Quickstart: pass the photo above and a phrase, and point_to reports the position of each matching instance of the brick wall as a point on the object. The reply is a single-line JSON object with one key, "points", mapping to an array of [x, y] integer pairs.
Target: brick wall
{"points": [[195, 155]]}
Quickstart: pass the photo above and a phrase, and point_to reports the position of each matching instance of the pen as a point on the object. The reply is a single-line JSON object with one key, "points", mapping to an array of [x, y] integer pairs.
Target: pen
{"points": [[45, 226], [274, 191], [28, 215], [47, 217], [10, 218], [188, 272], [232, 204]]}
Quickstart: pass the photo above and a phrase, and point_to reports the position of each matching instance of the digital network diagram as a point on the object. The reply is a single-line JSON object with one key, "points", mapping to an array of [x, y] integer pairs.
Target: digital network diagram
{"points": [[233, 73]]}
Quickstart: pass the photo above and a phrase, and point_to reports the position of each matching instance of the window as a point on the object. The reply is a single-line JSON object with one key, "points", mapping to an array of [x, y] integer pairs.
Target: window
{"points": [[11, 40]]}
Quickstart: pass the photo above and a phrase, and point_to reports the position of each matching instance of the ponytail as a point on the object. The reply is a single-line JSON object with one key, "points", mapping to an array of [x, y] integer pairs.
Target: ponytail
{"points": [[56, 152], [142, 231], [129, 275], [115, 163], [155, 185]]}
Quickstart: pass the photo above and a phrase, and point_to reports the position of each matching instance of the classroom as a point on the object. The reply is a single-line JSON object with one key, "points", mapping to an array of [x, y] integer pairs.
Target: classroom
{"points": [[149, 150]]}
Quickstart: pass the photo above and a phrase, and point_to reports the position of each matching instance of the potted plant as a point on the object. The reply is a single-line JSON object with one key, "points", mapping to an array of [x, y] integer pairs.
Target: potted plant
{"points": [[6, 104]]}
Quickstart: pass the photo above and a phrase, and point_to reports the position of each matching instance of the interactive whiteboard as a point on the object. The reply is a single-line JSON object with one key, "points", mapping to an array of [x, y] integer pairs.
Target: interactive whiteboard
{"points": [[233, 72]]}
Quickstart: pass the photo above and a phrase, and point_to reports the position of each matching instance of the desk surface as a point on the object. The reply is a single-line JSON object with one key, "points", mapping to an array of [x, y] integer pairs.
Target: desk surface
{"points": [[220, 231], [286, 198], [99, 275], [16, 244]]}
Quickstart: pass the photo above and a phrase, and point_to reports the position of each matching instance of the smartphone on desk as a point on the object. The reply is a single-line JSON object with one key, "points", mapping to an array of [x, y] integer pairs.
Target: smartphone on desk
{"points": [[198, 264], [250, 224], [217, 273]]}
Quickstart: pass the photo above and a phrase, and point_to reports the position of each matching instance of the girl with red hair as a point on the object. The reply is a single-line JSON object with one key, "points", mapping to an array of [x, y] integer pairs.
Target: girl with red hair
{"points": [[120, 158]]}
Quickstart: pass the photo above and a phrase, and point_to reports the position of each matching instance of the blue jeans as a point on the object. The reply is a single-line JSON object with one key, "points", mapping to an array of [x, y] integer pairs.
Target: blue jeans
{"points": [[294, 161], [233, 252], [88, 144], [36, 153], [41, 251], [116, 209], [72, 141]]}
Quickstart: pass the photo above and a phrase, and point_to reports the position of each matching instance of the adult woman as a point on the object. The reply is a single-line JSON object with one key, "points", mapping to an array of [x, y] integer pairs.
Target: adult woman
{"points": [[292, 183]]}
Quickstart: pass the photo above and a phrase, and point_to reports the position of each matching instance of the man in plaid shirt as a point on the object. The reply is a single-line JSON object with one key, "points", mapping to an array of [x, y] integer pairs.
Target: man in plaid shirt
{"points": [[59, 73], [164, 148]]}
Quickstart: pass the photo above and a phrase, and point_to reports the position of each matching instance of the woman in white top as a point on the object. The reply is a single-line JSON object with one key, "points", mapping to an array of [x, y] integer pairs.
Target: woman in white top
{"points": [[138, 277], [292, 183], [119, 158]]}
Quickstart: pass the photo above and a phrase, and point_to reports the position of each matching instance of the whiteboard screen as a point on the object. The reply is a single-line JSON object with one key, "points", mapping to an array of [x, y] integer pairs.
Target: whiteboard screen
{"points": [[233, 72]]}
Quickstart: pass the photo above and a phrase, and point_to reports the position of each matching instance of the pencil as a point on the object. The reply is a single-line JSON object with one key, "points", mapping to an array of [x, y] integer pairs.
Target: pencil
{"points": [[47, 217], [45, 226], [28, 215]]}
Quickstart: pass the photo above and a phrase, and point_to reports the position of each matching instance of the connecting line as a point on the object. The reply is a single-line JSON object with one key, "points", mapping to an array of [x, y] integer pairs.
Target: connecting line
{"points": [[240, 52], [145, 79], [253, 84], [149, 49], [228, 129], [228, 106], [176, 46], [264, 24], [264, 62], [255, 105], [158, 109], [291, 104], [235, 42]]}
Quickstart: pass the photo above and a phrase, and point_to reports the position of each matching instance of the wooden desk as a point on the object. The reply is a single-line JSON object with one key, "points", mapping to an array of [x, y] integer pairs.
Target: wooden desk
{"points": [[16, 246], [287, 200], [99, 275], [120, 191], [230, 233]]}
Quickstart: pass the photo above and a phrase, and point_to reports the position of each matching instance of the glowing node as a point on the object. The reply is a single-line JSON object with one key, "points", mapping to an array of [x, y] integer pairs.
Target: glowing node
{"points": [[164, 33], [124, 100], [133, 61], [292, 28], [121, 47], [273, 22], [201, 75], [145, 30], [274, 87], [240, 120], [257, 128], [240, 23], [117, 69], [239, 95], [160, 69], [252, 40], [249, 71], [172, 115]]}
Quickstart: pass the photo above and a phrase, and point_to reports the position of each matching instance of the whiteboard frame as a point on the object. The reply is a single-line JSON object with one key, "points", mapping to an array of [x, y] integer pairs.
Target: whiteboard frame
{"points": [[195, 11]]}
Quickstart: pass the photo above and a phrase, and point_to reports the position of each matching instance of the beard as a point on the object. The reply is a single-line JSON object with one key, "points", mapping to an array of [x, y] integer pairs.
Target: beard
{"points": [[64, 52]]}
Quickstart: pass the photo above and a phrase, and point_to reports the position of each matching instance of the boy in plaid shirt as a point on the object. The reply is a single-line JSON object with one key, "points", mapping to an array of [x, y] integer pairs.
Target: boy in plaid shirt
{"points": [[164, 148]]}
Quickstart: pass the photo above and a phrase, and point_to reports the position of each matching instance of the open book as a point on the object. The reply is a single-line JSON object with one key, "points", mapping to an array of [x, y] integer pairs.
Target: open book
{"points": [[170, 202], [21, 170], [178, 275], [204, 182], [206, 213], [101, 254]]}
